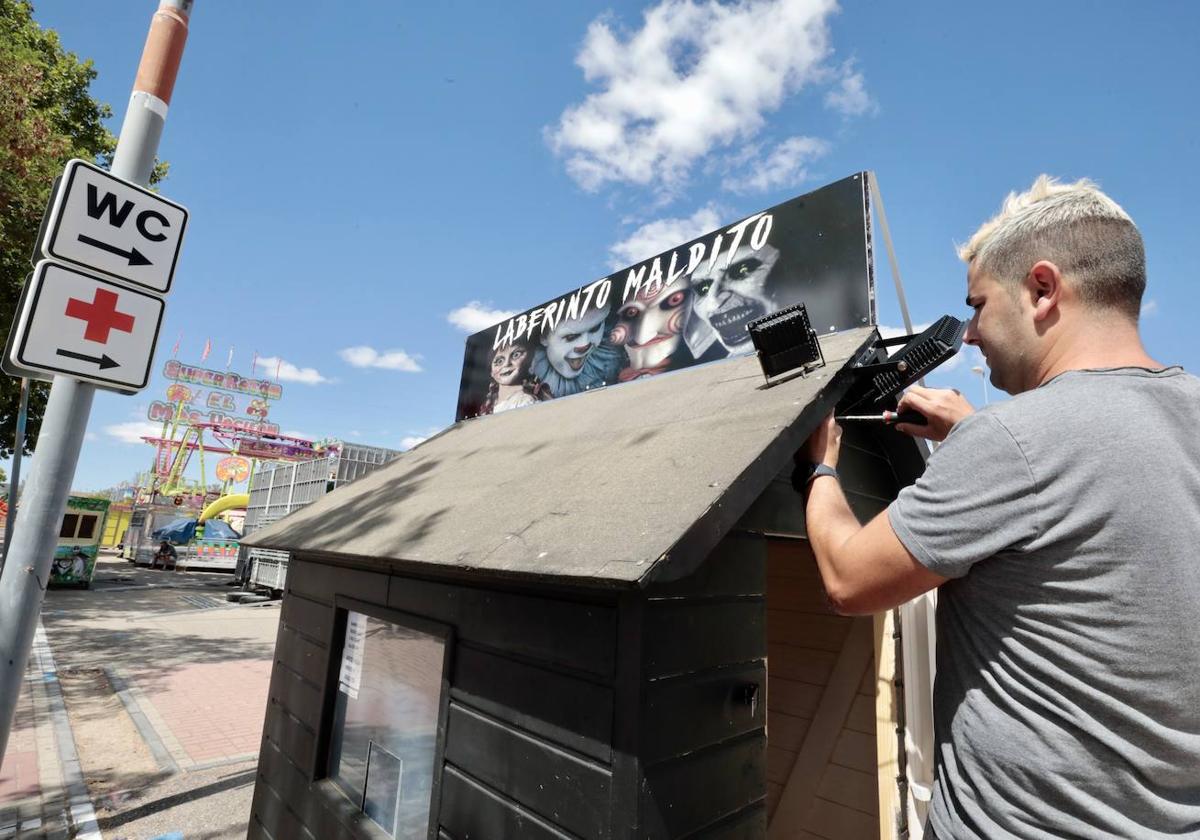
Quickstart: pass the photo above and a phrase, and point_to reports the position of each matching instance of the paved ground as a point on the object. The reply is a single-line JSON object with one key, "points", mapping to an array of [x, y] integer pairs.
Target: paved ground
{"points": [[142, 711]]}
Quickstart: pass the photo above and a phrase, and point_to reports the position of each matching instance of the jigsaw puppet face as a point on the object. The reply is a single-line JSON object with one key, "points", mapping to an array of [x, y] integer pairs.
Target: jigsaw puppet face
{"points": [[730, 296], [650, 325], [570, 342], [509, 364]]}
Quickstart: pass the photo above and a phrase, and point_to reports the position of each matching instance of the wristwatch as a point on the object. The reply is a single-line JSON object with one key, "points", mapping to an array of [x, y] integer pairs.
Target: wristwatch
{"points": [[805, 472]]}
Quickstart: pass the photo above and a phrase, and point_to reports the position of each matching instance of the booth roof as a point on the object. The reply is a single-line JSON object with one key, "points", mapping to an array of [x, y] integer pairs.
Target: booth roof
{"points": [[613, 487]]}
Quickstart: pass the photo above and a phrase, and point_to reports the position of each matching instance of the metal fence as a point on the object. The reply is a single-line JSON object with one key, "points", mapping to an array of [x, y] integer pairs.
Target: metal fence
{"points": [[282, 488]]}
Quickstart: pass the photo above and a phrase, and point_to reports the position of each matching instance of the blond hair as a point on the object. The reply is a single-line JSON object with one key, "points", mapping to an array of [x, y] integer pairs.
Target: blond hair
{"points": [[1094, 242]]}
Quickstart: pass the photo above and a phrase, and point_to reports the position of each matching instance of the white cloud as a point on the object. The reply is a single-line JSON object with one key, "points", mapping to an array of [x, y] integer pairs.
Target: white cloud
{"points": [[850, 97], [288, 372], [695, 77], [134, 431], [658, 236], [411, 440], [91, 437], [476, 316], [895, 332], [368, 357], [296, 433], [1149, 307], [785, 166]]}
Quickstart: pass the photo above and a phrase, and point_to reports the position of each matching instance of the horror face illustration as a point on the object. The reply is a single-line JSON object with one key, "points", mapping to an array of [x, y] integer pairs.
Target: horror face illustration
{"points": [[570, 342], [509, 364], [730, 296], [574, 355], [649, 327]]}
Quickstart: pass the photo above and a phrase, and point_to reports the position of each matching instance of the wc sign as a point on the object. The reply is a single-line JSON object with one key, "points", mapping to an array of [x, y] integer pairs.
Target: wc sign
{"points": [[99, 222]]}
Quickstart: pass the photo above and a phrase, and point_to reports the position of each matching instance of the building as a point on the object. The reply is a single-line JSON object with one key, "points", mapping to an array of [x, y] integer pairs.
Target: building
{"points": [[593, 618]]}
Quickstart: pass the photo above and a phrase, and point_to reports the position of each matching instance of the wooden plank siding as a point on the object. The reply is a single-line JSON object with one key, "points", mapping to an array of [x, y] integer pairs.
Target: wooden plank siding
{"points": [[528, 741], [809, 685], [703, 745]]}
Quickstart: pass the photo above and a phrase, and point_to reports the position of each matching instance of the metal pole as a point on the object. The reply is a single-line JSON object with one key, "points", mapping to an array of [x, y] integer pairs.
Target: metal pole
{"points": [[14, 481], [23, 584]]}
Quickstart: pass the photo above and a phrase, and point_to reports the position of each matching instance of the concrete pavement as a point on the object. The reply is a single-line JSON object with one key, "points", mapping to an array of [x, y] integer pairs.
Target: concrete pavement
{"points": [[162, 687]]}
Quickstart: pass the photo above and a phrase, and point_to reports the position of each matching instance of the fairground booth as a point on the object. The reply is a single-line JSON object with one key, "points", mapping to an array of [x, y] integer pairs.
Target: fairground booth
{"points": [[598, 616]]}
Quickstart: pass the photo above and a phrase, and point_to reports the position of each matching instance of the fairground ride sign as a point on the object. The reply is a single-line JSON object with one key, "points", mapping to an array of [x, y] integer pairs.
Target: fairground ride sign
{"points": [[232, 403], [686, 306]]}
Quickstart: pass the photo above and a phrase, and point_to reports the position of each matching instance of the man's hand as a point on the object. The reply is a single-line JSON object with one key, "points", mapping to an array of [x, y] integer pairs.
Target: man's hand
{"points": [[825, 443], [943, 407]]}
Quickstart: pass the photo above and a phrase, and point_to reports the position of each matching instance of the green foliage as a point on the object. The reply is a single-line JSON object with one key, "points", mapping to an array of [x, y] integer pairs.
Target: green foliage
{"points": [[47, 117]]}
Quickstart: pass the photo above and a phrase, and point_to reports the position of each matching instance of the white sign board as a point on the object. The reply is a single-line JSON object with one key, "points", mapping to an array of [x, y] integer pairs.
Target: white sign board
{"points": [[104, 224], [86, 327], [350, 675]]}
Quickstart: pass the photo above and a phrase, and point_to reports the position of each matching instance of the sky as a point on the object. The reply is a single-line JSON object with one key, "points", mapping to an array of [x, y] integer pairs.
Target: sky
{"points": [[366, 187]]}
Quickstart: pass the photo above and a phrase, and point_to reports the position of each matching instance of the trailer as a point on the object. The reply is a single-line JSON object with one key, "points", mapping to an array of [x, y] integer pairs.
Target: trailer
{"points": [[283, 487]]}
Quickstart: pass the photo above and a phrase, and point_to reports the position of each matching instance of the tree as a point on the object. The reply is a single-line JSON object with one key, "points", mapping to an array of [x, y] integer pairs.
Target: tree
{"points": [[47, 117]]}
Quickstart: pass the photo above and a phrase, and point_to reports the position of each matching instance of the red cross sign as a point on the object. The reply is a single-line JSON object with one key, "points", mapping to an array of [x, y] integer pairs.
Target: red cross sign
{"points": [[101, 315]]}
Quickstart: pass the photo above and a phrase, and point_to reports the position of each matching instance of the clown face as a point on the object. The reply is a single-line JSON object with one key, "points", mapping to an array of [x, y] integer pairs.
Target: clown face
{"points": [[730, 297], [570, 342], [650, 325], [509, 364]]}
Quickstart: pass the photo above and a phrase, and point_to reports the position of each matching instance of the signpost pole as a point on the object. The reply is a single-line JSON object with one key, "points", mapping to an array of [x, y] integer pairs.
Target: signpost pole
{"points": [[27, 570], [14, 480]]}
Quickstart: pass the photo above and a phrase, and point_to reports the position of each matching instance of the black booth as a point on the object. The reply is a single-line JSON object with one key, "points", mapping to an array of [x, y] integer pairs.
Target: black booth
{"points": [[594, 618]]}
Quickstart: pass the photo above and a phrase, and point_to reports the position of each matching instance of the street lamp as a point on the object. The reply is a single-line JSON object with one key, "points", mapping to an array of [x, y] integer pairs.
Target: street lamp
{"points": [[983, 376]]}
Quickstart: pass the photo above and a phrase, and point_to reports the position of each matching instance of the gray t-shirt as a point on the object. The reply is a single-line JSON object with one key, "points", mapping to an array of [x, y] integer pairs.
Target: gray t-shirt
{"points": [[1067, 697]]}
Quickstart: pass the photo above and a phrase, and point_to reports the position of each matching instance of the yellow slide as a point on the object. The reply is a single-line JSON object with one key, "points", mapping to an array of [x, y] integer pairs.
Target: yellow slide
{"points": [[231, 502]]}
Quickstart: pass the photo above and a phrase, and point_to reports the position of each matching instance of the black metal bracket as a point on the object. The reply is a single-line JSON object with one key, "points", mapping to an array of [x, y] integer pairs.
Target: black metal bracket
{"points": [[880, 377]]}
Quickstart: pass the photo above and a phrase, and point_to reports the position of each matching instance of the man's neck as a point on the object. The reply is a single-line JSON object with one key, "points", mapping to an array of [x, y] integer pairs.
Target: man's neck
{"points": [[1112, 343]]}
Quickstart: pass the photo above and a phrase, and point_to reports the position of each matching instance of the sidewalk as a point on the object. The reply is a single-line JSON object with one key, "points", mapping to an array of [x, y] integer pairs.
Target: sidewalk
{"points": [[33, 801], [164, 684]]}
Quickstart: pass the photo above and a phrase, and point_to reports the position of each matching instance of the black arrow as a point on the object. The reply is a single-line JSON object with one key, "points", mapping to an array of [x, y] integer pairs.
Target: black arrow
{"points": [[134, 256], [105, 361]]}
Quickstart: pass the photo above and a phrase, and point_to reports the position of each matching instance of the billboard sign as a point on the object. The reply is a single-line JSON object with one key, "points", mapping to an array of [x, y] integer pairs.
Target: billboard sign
{"points": [[685, 306]]}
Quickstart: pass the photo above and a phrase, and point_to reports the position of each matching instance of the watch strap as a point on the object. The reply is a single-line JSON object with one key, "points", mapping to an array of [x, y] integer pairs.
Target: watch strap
{"points": [[806, 471]]}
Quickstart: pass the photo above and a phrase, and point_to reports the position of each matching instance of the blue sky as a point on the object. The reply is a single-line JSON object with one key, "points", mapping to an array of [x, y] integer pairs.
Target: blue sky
{"points": [[366, 178]]}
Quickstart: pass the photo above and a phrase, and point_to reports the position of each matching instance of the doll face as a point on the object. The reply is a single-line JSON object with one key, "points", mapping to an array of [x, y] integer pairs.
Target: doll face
{"points": [[510, 364]]}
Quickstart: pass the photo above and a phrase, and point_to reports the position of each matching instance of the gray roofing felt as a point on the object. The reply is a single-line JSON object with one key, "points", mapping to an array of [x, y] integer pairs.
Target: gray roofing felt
{"points": [[603, 487]]}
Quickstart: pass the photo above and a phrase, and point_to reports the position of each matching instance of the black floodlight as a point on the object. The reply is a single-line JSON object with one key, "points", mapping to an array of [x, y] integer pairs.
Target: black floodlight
{"points": [[786, 342], [881, 377]]}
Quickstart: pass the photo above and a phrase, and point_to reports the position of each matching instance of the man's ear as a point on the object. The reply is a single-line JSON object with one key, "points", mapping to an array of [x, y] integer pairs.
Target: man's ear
{"points": [[1044, 287]]}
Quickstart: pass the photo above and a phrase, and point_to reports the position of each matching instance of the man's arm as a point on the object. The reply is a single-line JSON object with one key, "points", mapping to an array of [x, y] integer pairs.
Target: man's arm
{"points": [[865, 568]]}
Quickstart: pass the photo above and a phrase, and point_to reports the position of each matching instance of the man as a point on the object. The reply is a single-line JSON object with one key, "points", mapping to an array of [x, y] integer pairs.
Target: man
{"points": [[1062, 528], [165, 552]]}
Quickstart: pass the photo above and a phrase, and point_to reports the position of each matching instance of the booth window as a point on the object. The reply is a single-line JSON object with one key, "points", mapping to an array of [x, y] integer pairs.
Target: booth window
{"points": [[69, 524], [87, 527], [383, 740]]}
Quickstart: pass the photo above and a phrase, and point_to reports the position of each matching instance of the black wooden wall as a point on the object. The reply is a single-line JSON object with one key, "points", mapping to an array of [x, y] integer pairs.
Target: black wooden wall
{"points": [[573, 713], [703, 744]]}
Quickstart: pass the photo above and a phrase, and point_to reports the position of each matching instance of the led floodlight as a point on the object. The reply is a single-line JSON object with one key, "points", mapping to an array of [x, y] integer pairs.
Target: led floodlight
{"points": [[786, 341], [880, 378]]}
